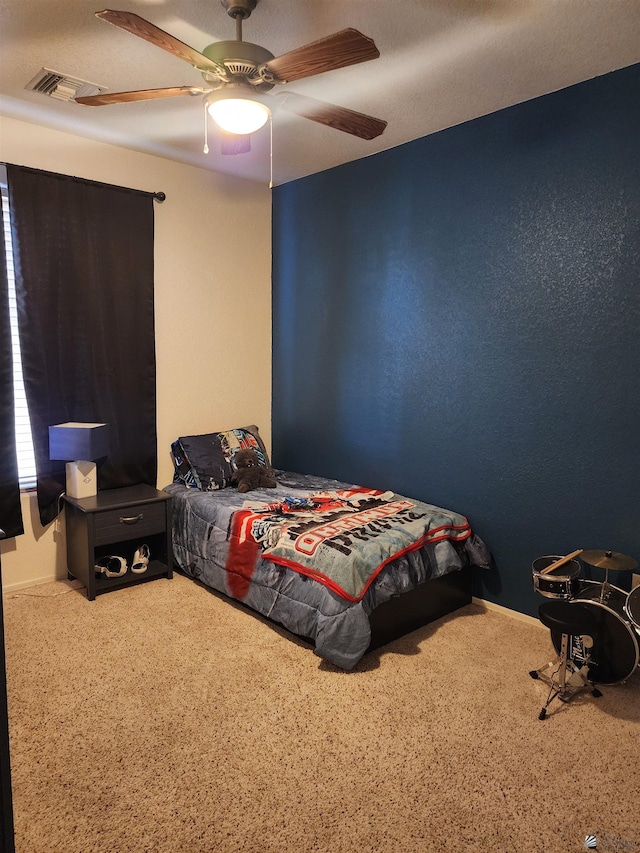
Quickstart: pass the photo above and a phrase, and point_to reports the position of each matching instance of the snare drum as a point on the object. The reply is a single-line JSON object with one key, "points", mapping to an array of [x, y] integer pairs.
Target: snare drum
{"points": [[632, 607], [615, 654], [560, 583]]}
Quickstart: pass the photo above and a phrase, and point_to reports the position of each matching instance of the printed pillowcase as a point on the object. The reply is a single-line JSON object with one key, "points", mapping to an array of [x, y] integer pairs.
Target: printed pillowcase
{"points": [[205, 462]]}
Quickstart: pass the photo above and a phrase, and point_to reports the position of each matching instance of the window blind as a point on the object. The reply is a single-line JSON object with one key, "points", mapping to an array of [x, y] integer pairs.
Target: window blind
{"points": [[24, 443]]}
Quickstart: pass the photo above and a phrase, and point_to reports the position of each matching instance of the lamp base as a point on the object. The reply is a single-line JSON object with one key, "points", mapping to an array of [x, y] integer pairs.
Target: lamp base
{"points": [[82, 479]]}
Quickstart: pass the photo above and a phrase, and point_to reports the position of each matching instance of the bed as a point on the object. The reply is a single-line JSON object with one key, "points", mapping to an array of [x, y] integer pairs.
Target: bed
{"points": [[344, 567]]}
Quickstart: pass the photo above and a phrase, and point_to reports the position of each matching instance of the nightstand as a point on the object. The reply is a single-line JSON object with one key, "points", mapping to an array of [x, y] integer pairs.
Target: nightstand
{"points": [[114, 523]]}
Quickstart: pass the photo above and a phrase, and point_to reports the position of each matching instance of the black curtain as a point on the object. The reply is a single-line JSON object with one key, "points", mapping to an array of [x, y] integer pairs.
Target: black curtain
{"points": [[10, 511], [83, 254]]}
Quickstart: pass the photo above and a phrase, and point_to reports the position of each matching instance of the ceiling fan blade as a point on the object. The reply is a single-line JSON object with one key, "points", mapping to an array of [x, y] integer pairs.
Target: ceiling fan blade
{"points": [[136, 25], [104, 99], [234, 143], [340, 118], [348, 47]]}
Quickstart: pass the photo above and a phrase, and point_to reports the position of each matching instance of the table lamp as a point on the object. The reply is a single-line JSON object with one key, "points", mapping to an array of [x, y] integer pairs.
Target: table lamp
{"points": [[84, 444]]}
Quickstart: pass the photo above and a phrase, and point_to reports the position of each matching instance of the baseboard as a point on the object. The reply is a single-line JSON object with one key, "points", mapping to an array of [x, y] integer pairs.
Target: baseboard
{"points": [[514, 614], [13, 587]]}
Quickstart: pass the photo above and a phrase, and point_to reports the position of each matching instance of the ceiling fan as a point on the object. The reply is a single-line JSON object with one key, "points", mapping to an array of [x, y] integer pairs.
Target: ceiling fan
{"points": [[240, 75]]}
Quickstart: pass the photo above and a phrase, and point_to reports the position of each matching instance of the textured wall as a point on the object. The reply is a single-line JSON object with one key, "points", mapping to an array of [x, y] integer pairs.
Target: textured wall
{"points": [[457, 319]]}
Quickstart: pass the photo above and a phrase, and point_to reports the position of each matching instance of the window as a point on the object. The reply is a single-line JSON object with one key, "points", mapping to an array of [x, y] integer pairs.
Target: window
{"points": [[24, 443]]}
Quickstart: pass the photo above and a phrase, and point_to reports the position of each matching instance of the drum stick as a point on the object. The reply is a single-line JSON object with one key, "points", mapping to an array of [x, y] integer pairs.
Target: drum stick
{"points": [[561, 561]]}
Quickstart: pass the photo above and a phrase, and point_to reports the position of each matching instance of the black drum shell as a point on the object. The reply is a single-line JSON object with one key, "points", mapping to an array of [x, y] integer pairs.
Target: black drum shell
{"points": [[561, 583], [632, 607], [615, 653]]}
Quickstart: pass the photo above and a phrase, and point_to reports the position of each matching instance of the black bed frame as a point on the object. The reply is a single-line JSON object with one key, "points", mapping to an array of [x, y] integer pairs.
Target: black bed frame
{"points": [[405, 613]]}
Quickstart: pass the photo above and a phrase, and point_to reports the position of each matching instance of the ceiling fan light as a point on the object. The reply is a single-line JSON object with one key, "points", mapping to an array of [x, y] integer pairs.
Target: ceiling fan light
{"points": [[239, 115]]}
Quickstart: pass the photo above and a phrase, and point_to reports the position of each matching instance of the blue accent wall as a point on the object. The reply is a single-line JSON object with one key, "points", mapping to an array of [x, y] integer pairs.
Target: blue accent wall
{"points": [[458, 319]]}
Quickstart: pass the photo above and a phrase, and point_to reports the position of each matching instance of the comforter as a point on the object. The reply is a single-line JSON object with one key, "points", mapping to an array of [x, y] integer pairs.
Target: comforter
{"points": [[317, 555]]}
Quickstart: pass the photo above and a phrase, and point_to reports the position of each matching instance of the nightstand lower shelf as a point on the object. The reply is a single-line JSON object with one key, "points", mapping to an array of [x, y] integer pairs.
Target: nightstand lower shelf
{"points": [[155, 569]]}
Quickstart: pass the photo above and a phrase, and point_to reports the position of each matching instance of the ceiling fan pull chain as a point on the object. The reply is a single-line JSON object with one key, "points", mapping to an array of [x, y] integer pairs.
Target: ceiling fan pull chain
{"points": [[270, 151], [206, 135]]}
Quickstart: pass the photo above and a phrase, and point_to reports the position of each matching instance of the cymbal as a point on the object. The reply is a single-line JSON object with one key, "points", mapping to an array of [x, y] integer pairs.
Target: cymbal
{"points": [[609, 560]]}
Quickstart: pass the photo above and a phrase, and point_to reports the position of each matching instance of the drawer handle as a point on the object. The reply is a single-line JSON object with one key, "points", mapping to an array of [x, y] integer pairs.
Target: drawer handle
{"points": [[130, 519]]}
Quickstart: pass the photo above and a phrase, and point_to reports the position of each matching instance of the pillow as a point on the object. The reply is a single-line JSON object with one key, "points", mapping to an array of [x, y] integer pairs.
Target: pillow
{"points": [[205, 462]]}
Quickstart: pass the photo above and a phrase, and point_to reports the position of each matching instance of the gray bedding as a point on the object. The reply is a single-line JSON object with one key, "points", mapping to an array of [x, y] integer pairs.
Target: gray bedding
{"points": [[339, 628]]}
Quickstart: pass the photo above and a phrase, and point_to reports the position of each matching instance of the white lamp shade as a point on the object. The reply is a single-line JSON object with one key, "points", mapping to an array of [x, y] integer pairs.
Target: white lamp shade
{"points": [[238, 115]]}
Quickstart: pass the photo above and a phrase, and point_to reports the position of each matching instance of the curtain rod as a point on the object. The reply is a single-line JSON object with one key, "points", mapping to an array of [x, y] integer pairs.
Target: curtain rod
{"points": [[156, 196]]}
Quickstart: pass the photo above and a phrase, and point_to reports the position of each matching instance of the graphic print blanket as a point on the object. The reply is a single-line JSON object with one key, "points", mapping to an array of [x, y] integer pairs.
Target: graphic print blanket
{"points": [[341, 538]]}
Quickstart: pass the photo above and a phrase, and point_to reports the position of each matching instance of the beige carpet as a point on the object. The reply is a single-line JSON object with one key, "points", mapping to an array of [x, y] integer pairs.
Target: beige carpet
{"points": [[163, 718]]}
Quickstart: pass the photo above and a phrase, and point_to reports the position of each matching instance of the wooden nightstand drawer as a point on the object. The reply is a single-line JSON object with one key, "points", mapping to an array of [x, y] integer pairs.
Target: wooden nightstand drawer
{"points": [[129, 523]]}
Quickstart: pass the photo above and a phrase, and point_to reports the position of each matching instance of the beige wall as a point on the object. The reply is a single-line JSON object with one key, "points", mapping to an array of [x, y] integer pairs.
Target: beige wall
{"points": [[212, 278]]}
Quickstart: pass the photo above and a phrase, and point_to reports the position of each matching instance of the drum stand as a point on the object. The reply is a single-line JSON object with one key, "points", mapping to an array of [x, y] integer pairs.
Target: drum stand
{"points": [[566, 679], [608, 560], [605, 591]]}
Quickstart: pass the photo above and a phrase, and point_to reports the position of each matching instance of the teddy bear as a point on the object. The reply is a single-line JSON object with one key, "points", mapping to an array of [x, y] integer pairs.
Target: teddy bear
{"points": [[249, 474]]}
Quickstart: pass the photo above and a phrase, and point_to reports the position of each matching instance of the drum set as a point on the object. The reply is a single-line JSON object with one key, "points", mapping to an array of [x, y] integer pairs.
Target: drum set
{"points": [[614, 654]]}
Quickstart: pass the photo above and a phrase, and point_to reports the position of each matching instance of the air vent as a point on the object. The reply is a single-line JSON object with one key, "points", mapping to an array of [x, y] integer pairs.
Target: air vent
{"points": [[62, 87]]}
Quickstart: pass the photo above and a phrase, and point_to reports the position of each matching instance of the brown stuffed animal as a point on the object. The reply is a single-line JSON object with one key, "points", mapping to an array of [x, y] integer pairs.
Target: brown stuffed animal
{"points": [[250, 474]]}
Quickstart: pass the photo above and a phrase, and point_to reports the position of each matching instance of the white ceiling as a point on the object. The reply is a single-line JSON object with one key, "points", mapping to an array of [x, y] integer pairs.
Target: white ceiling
{"points": [[442, 62]]}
